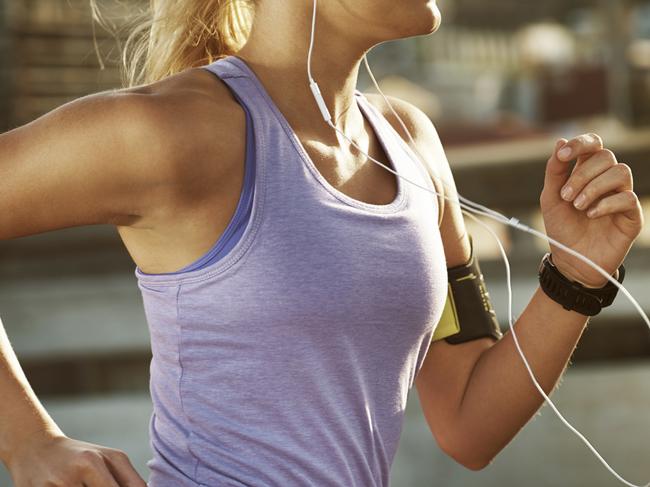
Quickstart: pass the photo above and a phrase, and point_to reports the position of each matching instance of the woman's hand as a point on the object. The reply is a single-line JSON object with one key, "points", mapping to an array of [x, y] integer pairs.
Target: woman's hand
{"points": [[59, 461], [599, 183]]}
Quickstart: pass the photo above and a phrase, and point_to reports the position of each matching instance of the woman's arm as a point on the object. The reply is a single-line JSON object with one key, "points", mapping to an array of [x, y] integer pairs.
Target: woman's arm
{"points": [[21, 412], [477, 395], [499, 397], [96, 160], [37, 452]]}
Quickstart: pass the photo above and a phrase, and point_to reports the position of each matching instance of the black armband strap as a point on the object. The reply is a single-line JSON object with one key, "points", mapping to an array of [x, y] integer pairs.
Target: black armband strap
{"points": [[468, 312]]}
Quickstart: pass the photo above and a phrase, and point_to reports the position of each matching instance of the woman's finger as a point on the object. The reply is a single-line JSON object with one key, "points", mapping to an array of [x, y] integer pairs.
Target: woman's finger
{"points": [[95, 472], [580, 145], [122, 469], [615, 179], [623, 202], [585, 171]]}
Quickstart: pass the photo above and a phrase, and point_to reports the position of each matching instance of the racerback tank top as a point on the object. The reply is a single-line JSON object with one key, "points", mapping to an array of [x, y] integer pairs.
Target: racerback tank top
{"points": [[287, 360]]}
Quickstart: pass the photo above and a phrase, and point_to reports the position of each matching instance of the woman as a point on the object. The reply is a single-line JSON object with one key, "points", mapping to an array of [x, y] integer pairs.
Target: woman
{"points": [[291, 286]]}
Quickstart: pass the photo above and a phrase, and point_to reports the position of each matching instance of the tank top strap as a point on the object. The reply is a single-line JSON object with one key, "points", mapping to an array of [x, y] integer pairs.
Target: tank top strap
{"points": [[398, 145], [235, 74], [277, 177]]}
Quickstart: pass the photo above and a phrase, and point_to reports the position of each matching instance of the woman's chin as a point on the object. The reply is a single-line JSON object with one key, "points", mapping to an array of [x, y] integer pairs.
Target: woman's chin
{"points": [[436, 17], [430, 22], [421, 22], [429, 28]]}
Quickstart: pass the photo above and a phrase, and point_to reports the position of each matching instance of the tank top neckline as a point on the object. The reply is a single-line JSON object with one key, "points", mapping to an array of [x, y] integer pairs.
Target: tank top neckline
{"points": [[373, 118]]}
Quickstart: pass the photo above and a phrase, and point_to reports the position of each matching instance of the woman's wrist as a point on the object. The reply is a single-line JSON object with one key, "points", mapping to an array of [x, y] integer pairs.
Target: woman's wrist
{"points": [[21, 444], [569, 275]]}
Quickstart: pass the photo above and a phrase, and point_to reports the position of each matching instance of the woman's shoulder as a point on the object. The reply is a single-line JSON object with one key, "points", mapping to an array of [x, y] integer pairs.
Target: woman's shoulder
{"points": [[189, 126], [188, 113], [128, 157], [417, 122]]}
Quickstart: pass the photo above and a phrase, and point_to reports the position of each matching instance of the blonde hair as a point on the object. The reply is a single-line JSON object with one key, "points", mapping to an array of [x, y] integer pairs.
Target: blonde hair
{"points": [[170, 36]]}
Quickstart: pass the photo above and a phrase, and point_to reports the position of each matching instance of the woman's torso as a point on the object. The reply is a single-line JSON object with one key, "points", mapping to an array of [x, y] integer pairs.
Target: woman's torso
{"points": [[289, 360]]}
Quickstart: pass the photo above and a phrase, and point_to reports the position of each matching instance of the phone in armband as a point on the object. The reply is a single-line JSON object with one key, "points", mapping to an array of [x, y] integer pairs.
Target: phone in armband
{"points": [[468, 313]]}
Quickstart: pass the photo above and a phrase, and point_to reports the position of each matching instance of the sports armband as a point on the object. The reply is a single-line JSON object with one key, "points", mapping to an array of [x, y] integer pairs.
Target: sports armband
{"points": [[468, 312]]}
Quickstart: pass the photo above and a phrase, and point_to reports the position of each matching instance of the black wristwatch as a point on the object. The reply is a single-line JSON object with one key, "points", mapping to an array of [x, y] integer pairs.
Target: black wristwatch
{"points": [[573, 295]]}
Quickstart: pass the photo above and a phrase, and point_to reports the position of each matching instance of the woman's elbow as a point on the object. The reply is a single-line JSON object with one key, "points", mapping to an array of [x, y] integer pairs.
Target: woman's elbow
{"points": [[470, 462], [466, 456], [476, 465]]}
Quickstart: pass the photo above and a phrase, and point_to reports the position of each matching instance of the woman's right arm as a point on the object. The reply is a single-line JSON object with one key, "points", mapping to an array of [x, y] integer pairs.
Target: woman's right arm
{"points": [[36, 451], [101, 159], [104, 158]]}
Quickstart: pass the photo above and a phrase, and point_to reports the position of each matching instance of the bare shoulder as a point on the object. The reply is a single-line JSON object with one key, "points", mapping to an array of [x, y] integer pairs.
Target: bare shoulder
{"points": [[186, 107], [425, 136], [184, 140], [187, 128], [125, 157]]}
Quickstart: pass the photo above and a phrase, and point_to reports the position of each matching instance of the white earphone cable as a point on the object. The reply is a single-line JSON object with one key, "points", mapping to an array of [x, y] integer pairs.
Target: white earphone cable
{"points": [[482, 210]]}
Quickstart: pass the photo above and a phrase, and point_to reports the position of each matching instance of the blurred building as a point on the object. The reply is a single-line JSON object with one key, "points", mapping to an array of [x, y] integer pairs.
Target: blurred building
{"points": [[538, 65]]}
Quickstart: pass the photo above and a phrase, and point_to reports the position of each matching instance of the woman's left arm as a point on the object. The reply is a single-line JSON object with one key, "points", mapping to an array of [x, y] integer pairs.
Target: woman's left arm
{"points": [[500, 397], [476, 396]]}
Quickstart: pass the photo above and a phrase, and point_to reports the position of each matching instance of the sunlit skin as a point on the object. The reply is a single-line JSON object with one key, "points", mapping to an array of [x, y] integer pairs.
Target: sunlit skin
{"points": [[169, 180]]}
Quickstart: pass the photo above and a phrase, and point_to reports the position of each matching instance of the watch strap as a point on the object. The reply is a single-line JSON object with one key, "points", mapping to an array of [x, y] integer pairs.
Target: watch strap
{"points": [[571, 294]]}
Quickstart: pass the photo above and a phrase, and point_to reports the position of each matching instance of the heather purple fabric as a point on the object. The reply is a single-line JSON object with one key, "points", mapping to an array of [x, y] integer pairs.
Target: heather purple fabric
{"points": [[288, 361]]}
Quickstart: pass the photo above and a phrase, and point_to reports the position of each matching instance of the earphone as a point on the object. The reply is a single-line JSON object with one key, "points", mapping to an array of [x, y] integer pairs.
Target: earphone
{"points": [[480, 210]]}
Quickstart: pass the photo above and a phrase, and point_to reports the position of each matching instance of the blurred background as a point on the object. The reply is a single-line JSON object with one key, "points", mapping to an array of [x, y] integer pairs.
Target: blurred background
{"points": [[502, 80]]}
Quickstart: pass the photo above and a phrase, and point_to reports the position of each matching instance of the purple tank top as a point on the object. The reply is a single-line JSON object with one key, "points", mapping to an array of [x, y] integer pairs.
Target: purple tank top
{"points": [[287, 361]]}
